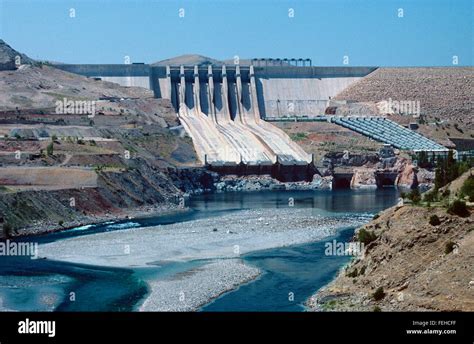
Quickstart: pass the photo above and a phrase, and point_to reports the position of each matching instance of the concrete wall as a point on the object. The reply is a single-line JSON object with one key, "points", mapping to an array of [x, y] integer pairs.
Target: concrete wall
{"points": [[281, 90], [137, 75], [302, 91], [128, 81]]}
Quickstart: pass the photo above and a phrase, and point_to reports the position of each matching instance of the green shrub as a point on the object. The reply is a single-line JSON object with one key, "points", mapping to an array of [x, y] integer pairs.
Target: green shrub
{"points": [[299, 136], [379, 294], [434, 220], [365, 236], [449, 247], [458, 208], [467, 188], [61, 222], [353, 273], [431, 196], [376, 309], [50, 149], [414, 196], [376, 216]]}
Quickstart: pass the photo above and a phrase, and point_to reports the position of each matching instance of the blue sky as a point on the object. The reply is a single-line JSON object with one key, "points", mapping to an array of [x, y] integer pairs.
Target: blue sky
{"points": [[369, 32]]}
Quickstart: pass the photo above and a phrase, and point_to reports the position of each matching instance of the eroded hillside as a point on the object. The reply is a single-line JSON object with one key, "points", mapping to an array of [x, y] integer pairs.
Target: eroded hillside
{"points": [[416, 258]]}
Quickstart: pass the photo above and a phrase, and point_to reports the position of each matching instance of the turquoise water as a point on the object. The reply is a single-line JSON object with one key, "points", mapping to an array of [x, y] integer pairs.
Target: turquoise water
{"points": [[39, 285], [291, 275]]}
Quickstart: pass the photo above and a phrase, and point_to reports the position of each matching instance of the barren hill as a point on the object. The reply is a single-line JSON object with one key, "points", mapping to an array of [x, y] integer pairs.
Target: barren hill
{"points": [[188, 60], [445, 93], [40, 86]]}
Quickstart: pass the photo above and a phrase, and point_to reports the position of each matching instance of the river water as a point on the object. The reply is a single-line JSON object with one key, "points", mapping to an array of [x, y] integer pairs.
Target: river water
{"points": [[290, 274]]}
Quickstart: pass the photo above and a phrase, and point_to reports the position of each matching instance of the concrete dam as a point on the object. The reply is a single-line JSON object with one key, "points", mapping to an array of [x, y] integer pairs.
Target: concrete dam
{"points": [[223, 108]]}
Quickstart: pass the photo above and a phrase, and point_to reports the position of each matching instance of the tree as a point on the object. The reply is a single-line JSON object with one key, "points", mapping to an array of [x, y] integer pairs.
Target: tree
{"points": [[449, 169], [414, 196], [467, 188], [50, 149], [458, 208]]}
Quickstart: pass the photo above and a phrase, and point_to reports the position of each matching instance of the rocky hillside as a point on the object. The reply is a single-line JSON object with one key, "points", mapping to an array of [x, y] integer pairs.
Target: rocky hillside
{"points": [[140, 190], [416, 258], [40, 86], [9, 57]]}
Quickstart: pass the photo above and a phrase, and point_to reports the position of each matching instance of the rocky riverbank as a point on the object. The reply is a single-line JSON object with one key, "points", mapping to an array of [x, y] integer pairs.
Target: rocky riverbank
{"points": [[409, 265]]}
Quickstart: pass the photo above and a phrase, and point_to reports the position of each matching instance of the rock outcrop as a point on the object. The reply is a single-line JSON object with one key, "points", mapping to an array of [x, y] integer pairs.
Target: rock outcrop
{"points": [[410, 263], [10, 59]]}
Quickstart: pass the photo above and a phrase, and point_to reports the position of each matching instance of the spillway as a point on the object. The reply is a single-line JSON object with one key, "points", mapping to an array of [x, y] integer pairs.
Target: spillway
{"points": [[222, 117]]}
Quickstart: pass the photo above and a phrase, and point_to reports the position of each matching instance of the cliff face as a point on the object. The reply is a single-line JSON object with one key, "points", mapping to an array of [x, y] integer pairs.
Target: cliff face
{"points": [[371, 170], [142, 189], [417, 266]]}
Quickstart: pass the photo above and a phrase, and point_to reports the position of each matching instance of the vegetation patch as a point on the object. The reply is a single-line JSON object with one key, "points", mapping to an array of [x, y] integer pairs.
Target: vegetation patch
{"points": [[352, 273], [467, 189], [379, 294], [414, 196], [365, 236], [299, 136], [458, 208], [449, 169], [434, 220]]}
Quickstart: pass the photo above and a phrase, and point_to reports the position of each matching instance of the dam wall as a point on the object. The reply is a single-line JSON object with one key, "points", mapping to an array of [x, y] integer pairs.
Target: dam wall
{"points": [[290, 91], [129, 75], [282, 91]]}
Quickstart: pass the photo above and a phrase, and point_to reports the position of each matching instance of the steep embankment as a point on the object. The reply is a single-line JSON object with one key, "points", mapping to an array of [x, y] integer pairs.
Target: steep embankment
{"points": [[141, 189], [411, 265]]}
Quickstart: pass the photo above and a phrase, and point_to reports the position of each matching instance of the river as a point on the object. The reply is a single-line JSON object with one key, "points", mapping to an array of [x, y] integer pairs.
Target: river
{"points": [[290, 274]]}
